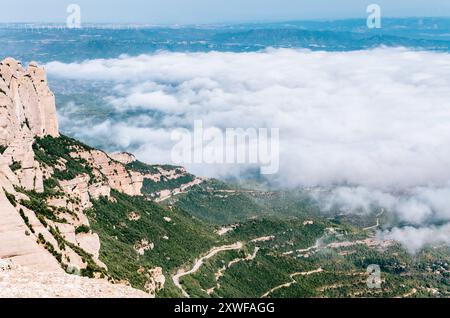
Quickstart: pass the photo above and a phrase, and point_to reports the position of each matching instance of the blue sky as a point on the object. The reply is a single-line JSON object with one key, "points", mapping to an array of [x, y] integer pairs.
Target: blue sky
{"points": [[213, 11]]}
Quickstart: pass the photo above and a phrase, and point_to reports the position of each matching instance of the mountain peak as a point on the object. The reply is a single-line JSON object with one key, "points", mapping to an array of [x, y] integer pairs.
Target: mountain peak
{"points": [[27, 111], [27, 104]]}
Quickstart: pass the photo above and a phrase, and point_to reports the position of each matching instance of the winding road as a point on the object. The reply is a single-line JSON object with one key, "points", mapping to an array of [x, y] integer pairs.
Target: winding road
{"points": [[293, 281], [181, 273]]}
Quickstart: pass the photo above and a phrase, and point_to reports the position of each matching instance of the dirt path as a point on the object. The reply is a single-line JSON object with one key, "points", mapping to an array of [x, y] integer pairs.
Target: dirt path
{"points": [[305, 250], [221, 271], [377, 225], [181, 273], [411, 293], [293, 281]]}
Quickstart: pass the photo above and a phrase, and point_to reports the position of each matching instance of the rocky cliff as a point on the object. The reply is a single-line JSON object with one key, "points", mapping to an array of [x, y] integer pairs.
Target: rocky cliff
{"points": [[47, 184], [27, 111]]}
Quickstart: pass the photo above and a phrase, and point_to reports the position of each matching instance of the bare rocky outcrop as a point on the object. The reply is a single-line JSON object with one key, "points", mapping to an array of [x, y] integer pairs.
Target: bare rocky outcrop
{"points": [[156, 281], [123, 157], [118, 177], [142, 246], [134, 216], [168, 193], [27, 110], [16, 246], [26, 101], [19, 282]]}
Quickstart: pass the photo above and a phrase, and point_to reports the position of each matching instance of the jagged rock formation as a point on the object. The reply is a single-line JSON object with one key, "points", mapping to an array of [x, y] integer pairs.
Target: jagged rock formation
{"points": [[27, 110], [123, 157], [26, 101], [118, 177]]}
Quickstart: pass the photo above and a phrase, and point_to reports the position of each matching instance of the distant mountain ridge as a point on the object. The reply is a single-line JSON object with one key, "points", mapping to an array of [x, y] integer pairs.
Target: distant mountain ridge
{"points": [[43, 42]]}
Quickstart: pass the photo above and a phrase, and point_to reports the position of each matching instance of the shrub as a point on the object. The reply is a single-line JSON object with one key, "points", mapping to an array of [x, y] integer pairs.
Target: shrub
{"points": [[26, 220], [11, 198], [16, 165], [82, 229]]}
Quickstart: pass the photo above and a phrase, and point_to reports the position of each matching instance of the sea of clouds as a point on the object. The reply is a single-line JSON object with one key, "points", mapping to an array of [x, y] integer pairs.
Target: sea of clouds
{"points": [[378, 120]]}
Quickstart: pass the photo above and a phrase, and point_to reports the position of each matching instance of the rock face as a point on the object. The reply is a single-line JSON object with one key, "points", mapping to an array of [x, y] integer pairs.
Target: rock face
{"points": [[18, 248], [27, 110], [118, 177], [123, 157], [156, 280], [16, 282], [26, 101]]}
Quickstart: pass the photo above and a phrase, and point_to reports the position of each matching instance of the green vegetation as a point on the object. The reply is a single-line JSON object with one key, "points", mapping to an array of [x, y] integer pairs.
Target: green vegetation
{"points": [[152, 169], [151, 186], [50, 151], [212, 202], [142, 167], [82, 229], [285, 236], [11, 198], [341, 275], [38, 204], [16, 165], [50, 184], [26, 220], [175, 242]]}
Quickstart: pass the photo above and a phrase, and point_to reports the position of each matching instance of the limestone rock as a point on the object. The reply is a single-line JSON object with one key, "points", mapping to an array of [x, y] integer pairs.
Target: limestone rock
{"points": [[134, 216], [142, 246], [156, 281], [79, 188], [119, 178], [26, 283], [123, 157], [27, 110], [16, 246]]}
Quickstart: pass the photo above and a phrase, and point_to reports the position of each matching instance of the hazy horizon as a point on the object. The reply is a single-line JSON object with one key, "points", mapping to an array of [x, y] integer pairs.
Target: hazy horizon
{"points": [[172, 12], [231, 23]]}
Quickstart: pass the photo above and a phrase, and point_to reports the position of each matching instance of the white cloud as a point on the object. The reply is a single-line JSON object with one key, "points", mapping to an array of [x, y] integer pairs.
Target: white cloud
{"points": [[416, 238], [376, 119], [415, 206]]}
